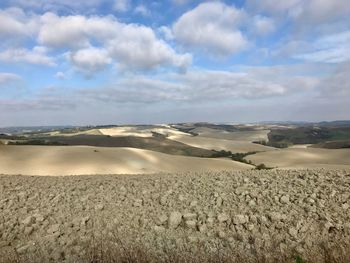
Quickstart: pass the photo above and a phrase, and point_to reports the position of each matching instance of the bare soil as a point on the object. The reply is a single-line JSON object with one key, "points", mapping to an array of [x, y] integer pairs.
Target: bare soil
{"points": [[258, 216]]}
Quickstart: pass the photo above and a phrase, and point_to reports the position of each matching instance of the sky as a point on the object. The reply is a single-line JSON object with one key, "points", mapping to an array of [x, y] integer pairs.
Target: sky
{"points": [[92, 62]]}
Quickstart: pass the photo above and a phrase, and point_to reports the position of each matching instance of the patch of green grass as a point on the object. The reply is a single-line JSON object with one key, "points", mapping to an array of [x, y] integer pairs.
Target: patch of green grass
{"points": [[299, 259]]}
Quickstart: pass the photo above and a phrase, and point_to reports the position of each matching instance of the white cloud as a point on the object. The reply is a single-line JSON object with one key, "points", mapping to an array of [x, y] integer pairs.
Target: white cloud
{"points": [[166, 32], [8, 77], [15, 23], [132, 46], [263, 25], [64, 32], [36, 56], [90, 60], [337, 84], [138, 47], [320, 11], [142, 10], [55, 5], [60, 75], [206, 86], [311, 11], [121, 5], [212, 27], [272, 6], [333, 48]]}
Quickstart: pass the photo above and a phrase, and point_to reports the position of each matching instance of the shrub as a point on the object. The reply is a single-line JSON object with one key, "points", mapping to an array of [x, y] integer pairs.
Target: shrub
{"points": [[262, 167]]}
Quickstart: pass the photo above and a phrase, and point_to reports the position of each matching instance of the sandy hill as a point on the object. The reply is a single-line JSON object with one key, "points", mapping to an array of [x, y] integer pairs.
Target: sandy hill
{"points": [[304, 158], [78, 160], [140, 131]]}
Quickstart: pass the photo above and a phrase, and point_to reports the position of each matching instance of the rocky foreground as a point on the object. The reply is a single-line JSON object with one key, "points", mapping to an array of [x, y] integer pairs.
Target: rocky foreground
{"points": [[250, 215]]}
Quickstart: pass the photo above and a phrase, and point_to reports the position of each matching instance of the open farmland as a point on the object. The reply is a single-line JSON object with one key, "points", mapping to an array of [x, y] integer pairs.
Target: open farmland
{"points": [[243, 216], [235, 146]]}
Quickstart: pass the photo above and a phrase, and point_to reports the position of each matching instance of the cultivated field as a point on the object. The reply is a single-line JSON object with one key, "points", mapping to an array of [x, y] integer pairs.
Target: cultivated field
{"points": [[247, 216], [235, 146], [247, 135]]}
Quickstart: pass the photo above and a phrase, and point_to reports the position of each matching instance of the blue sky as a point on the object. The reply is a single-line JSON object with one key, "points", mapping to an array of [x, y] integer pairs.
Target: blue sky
{"points": [[124, 61]]}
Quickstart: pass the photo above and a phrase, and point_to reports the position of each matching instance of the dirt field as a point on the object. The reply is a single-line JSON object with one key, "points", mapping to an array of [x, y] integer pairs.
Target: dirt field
{"points": [[250, 136], [262, 216], [82, 160], [220, 144], [304, 158]]}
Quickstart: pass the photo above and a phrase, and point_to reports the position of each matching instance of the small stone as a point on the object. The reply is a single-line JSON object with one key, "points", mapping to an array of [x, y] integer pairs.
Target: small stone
{"points": [[311, 201], [22, 249], [210, 220], [219, 201], [163, 200], [222, 234], [293, 232], [99, 207], [276, 217], [194, 203], [29, 221], [162, 219], [181, 198], [53, 229], [240, 219], [174, 219], [251, 203], [284, 199], [138, 203], [28, 230], [58, 255], [345, 206], [84, 220], [191, 224], [192, 239], [190, 216], [202, 228], [223, 218], [159, 229], [39, 218]]}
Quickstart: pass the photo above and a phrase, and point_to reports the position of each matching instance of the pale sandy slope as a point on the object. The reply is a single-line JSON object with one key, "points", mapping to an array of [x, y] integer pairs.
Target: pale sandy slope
{"points": [[140, 131], [304, 158], [250, 136], [78, 160], [220, 144]]}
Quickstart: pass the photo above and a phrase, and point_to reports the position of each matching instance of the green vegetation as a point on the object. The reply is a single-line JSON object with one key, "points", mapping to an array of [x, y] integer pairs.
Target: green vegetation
{"points": [[284, 138], [185, 130], [333, 145], [262, 167], [299, 259], [239, 157], [282, 144], [35, 142], [222, 153]]}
